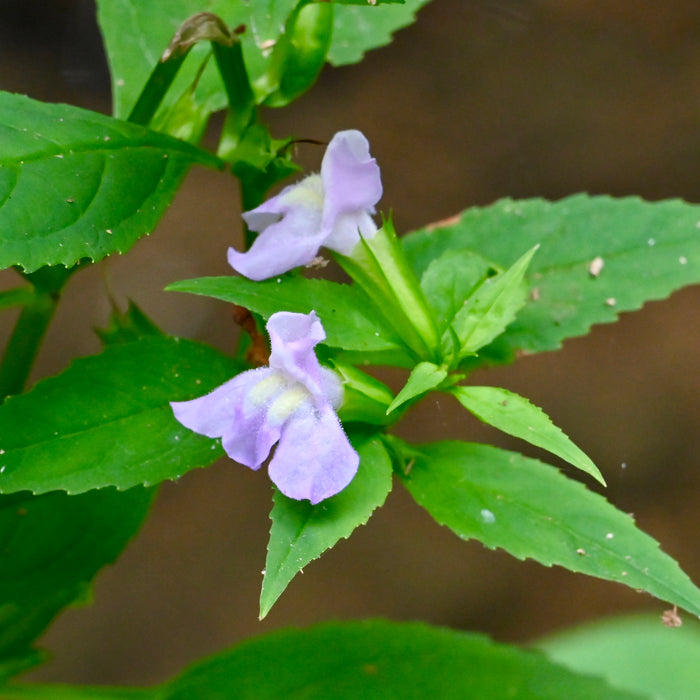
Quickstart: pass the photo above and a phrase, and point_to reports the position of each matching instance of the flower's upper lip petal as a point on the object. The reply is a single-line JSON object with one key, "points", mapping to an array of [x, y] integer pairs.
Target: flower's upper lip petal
{"points": [[329, 462], [292, 340], [281, 247], [351, 177]]}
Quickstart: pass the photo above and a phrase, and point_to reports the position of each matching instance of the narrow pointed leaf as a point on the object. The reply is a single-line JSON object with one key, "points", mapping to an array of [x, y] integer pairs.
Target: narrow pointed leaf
{"points": [[67, 184], [647, 250], [379, 660], [495, 303], [424, 377], [532, 511], [357, 30], [302, 532], [515, 415], [106, 420]]}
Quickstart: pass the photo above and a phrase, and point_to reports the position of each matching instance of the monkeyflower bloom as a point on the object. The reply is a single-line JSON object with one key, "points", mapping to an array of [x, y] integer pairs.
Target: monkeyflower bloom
{"points": [[291, 402], [332, 209]]}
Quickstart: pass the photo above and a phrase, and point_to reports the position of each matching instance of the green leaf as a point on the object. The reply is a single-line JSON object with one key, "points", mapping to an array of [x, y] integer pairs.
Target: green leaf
{"points": [[52, 547], [648, 250], [106, 420], [365, 399], [636, 653], [380, 267], [67, 185], [515, 415], [494, 304], [299, 54], [532, 511], [133, 324], [357, 30], [301, 532], [452, 278], [136, 32], [424, 377], [378, 660], [344, 310]]}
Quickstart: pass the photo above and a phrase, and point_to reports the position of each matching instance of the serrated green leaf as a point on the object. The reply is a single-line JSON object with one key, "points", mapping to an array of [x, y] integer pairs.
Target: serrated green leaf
{"points": [[647, 250], [515, 415], [492, 307], [532, 511], [344, 310], [424, 377], [636, 653], [357, 30], [52, 547], [302, 532], [379, 660], [68, 189], [106, 420]]}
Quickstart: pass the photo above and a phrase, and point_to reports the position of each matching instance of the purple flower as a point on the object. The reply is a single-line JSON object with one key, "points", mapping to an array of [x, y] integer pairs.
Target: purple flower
{"points": [[331, 209], [292, 402]]}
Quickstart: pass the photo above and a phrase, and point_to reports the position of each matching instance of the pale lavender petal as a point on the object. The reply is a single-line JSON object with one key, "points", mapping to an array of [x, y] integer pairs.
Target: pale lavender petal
{"points": [[228, 413], [268, 213], [351, 178], [293, 337], [332, 387], [345, 236], [314, 459], [210, 414], [290, 232], [280, 247]]}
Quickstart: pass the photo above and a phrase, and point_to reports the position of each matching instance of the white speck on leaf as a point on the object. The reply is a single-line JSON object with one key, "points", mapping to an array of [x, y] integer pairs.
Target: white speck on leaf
{"points": [[595, 267], [487, 516], [683, 260], [609, 536], [610, 301], [652, 241]]}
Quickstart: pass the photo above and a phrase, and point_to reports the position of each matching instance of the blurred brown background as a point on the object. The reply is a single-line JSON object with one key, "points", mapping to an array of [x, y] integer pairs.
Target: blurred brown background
{"points": [[479, 99]]}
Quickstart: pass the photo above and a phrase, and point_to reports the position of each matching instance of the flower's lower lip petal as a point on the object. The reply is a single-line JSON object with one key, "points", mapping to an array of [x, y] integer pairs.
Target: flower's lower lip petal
{"points": [[344, 236], [282, 246], [213, 413], [314, 459], [249, 443], [227, 413]]}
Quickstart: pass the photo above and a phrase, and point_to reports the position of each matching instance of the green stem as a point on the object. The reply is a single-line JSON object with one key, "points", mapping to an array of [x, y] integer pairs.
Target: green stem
{"points": [[29, 331], [59, 691], [21, 296], [24, 343]]}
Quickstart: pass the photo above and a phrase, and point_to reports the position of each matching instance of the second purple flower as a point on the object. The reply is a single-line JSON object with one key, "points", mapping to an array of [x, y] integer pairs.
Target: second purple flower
{"points": [[328, 210]]}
